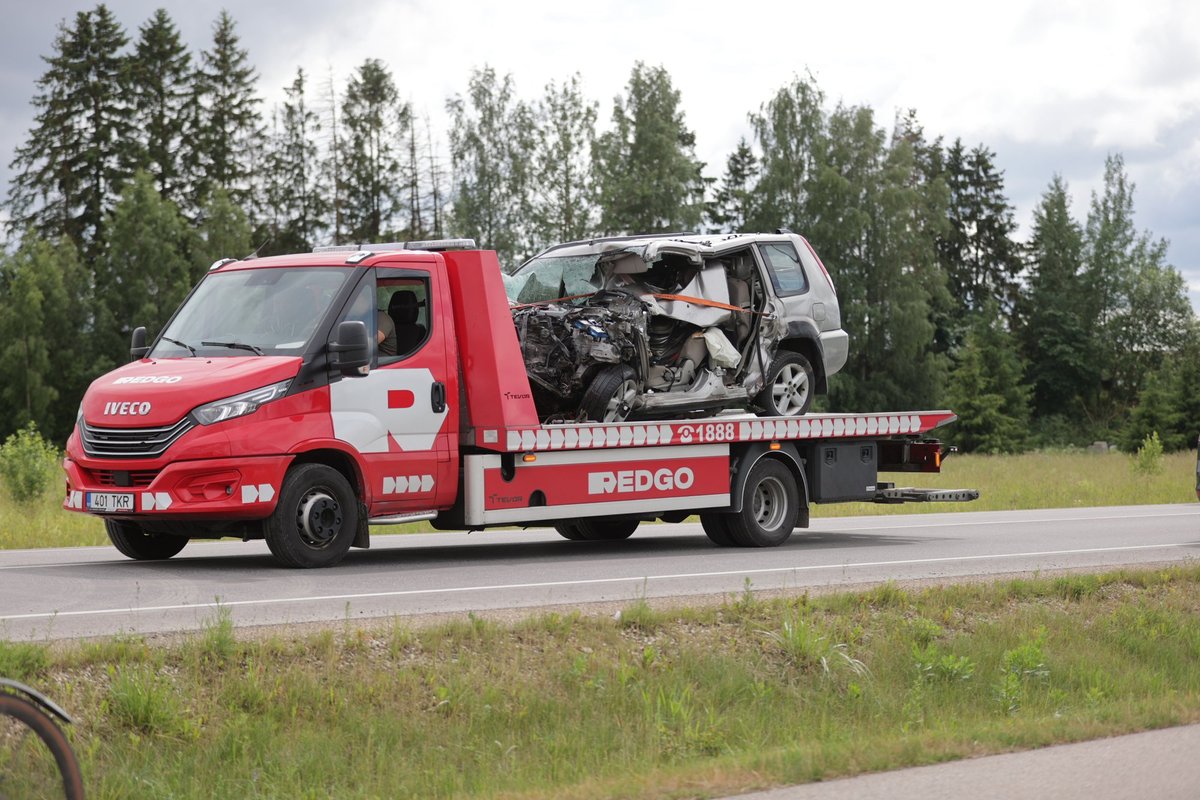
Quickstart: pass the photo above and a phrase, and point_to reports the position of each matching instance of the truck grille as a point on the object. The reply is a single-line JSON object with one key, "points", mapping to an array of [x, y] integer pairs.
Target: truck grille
{"points": [[131, 442], [134, 478]]}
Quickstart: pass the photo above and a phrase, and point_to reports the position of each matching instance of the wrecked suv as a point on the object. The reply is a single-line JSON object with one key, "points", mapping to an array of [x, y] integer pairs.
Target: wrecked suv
{"points": [[677, 325]]}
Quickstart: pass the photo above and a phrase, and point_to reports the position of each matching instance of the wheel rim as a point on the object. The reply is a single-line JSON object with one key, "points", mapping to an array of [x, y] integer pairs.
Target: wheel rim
{"points": [[319, 518], [770, 504], [621, 403], [790, 390]]}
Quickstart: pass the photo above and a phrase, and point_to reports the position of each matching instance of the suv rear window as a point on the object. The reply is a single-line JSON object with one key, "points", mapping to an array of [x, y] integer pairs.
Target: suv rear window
{"points": [[784, 267]]}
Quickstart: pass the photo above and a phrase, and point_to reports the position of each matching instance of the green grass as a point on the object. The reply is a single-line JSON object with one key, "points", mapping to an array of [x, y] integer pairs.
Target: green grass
{"points": [[691, 702], [1040, 480], [1033, 480]]}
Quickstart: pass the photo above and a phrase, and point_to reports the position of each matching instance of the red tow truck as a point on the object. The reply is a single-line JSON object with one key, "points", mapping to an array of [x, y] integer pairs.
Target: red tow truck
{"points": [[279, 403]]}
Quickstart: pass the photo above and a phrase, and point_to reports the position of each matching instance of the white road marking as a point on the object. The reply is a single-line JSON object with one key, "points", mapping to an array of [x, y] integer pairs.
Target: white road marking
{"points": [[643, 579], [817, 520]]}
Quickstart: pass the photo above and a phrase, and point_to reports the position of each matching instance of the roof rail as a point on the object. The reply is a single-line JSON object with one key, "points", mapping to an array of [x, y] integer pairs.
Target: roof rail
{"points": [[597, 239], [434, 245]]}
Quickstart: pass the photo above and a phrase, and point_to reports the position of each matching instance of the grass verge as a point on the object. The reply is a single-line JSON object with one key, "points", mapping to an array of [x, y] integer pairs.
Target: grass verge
{"points": [[693, 702], [1032, 480]]}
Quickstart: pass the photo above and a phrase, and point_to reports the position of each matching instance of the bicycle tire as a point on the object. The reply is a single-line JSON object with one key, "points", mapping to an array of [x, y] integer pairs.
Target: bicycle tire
{"points": [[38, 721]]}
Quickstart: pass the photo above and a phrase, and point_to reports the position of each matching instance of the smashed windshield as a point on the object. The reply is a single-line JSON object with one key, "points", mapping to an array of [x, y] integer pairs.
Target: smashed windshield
{"points": [[552, 277], [252, 311]]}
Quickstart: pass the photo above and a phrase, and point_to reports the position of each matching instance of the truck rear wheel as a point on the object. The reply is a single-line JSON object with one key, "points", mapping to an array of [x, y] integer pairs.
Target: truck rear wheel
{"points": [[770, 507], [610, 395], [716, 527], [315, 520], [597, 530], [132, 541]]}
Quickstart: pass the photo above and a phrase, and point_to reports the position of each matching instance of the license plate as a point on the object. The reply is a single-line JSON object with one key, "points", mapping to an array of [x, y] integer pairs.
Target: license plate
{"points": [[109, 502]]}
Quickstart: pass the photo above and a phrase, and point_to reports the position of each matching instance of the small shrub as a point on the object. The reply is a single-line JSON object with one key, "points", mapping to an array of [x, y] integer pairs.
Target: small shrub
{"points": [[924, 631], [808, 649], [934, 665], [28, 464], [1148, 460], [20, 661], [1020, 666], [141, 701]]}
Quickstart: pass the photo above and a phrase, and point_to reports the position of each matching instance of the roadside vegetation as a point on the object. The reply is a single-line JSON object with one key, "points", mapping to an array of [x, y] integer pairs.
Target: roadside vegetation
{"points": [[653, 703]]}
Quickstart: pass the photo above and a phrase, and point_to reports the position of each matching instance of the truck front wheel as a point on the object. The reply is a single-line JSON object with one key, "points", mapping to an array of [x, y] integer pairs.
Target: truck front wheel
{"points": [[770, 507], [316, 518], [132, 541]]}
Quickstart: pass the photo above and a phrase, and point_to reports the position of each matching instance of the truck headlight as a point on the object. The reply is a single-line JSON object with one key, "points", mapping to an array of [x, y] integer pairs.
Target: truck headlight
{"points": [[240, 404]]}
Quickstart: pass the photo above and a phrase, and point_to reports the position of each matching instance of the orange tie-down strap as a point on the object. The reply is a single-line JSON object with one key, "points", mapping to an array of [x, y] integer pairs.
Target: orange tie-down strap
{"points": [[700, 301]]}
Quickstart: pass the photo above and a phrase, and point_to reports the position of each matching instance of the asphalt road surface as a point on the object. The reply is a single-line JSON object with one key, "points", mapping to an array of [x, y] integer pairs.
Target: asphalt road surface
{"points": [[77, 592], [1157, 764]]}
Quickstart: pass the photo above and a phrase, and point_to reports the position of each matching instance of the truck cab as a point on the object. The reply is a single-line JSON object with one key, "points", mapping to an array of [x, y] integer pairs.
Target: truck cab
{"points": [[269, 366]]}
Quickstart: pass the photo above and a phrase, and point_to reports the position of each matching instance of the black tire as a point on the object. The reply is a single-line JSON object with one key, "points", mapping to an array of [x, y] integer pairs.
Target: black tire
{"points": [[716, 527], [597, 530], [316, 519], [132, 541], [30, 764], [610, 395], [770, 506], [569, 530], [788, 391]]}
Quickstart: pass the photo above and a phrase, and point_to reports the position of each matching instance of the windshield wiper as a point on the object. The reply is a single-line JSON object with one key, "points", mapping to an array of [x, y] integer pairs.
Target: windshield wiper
{"points": [[185, 345], [235, 346]]}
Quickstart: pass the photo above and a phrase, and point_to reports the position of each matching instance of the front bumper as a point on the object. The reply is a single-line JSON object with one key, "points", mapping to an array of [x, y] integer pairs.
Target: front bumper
{"points": [[207, 489]]}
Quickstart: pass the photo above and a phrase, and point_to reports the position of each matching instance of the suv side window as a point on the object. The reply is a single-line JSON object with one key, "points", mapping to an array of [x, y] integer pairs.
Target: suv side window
{"points": [[783, 265]]}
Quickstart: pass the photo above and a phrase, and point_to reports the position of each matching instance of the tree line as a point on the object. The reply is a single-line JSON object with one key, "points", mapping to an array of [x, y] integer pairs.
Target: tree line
{"points": [[146, 162]]}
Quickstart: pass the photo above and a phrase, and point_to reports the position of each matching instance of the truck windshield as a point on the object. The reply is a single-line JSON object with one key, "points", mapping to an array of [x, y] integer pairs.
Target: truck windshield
{"points": [[552, 277], [252, 311]]}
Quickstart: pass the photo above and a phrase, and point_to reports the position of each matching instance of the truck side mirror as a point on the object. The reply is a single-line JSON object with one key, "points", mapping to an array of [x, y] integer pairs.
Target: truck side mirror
{"points": [[351, 348], [137, 344]]}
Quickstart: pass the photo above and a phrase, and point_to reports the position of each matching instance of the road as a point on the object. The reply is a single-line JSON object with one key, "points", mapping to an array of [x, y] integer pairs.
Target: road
{"points": [[78, 592], [1159, 764]]}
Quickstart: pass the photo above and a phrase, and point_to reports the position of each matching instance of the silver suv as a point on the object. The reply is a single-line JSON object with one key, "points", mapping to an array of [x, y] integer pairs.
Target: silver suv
{"points": [[677, 325]]}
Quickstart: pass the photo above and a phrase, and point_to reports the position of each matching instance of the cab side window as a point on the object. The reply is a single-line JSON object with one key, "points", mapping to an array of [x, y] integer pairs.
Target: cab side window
{"points": [[783, 265], [403, 304]]}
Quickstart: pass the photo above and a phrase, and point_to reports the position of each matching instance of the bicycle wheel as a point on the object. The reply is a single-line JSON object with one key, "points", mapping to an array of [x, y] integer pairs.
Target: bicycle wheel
{"points": [[36, 761]]}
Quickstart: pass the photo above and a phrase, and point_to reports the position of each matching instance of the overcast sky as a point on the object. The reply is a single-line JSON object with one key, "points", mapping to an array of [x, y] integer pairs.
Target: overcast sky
{"points": [[1050, 86]]}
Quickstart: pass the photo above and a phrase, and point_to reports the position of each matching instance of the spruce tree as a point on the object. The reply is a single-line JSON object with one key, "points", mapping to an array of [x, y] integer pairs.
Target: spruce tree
{"points": [[295, 195], [76, 158], [146, 271], [735, 199], [987, 389], [648, 176], [224, 232], [161, 89], [978, 254], [374, 120], [563, 205], [1055, 332], [226, 125]]}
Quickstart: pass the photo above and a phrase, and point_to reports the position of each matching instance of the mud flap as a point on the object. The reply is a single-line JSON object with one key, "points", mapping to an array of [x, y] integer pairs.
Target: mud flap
{"points": [[362, 537]]}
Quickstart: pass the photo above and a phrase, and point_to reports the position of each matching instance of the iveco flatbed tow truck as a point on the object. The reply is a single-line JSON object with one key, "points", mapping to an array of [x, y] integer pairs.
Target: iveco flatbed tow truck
{"points": [[277, 403]]}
